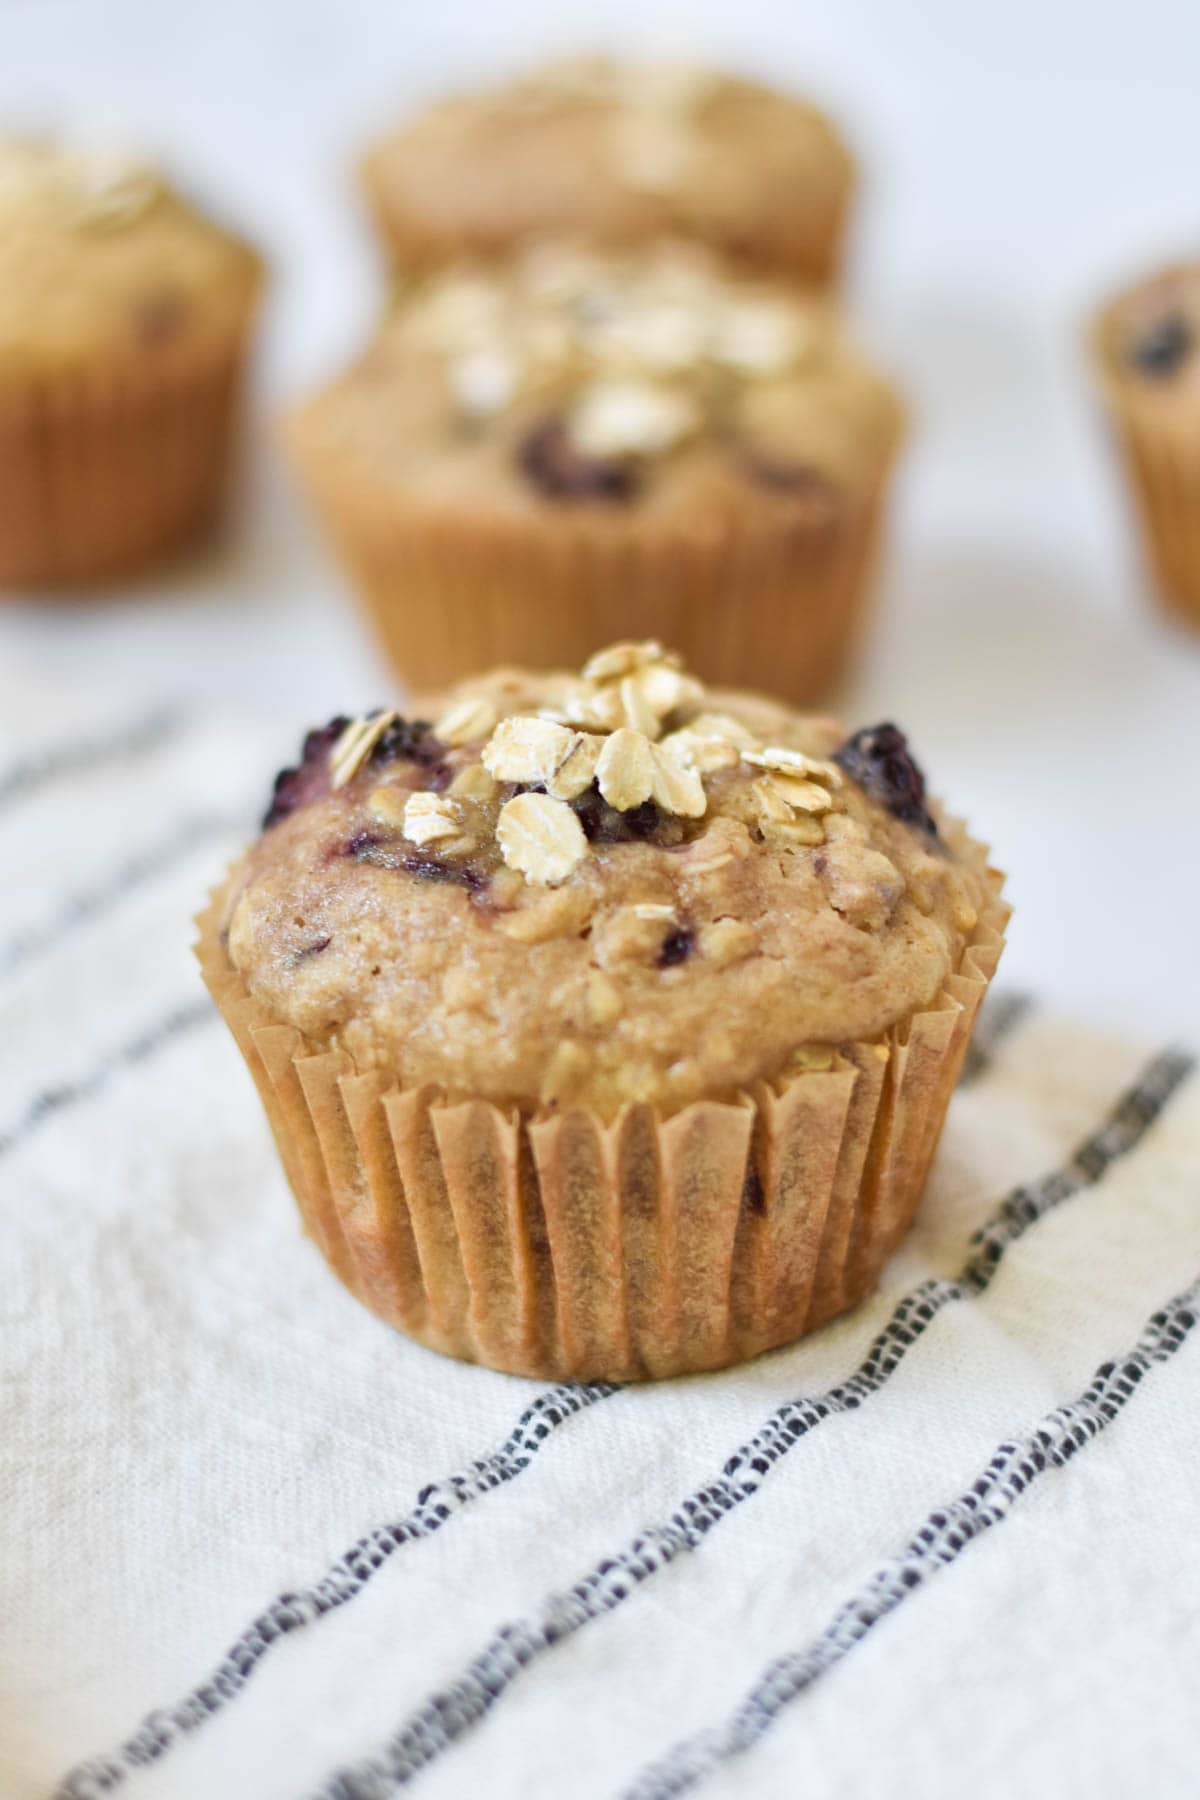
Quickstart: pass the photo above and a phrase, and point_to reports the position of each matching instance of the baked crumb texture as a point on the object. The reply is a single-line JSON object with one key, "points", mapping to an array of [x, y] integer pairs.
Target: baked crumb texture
{"points": [[641, 442], [124, 321], [622, 152], [1147, 348], [606, 1023]]}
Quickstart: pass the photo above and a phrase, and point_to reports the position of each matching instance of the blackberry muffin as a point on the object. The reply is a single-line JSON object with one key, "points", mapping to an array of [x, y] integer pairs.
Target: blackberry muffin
{"points": [[124, 320], [622, 153], [1147, 347], [533, 457], [606, 1025]]}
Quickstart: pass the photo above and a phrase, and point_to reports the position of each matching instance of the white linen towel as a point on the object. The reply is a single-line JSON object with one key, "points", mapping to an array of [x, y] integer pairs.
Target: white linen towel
{"points": [[254, 1543]]}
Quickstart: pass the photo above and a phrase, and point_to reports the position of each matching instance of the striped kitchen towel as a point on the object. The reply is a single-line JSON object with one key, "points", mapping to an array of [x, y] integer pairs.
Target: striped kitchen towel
{"points": [[254, 1544]]}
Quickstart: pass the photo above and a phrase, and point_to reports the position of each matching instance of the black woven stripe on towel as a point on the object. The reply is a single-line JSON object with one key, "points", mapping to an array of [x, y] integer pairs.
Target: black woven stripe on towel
{"points": [[52, 1102], [453, 1710], [87, 905], [940, 1541], [435, 1504], [346, 1577], [1002, 1012], [77, 755]]}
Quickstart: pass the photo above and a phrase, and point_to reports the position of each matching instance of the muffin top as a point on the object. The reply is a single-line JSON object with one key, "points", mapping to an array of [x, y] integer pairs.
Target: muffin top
{"points": [[600, 889], [577, 378], [1152, 331], [99, 257], [621, 152]]}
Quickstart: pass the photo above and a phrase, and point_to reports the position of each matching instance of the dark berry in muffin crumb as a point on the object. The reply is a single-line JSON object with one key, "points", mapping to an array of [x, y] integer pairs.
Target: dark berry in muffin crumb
{"points": [[552, 462], [411, 739], [603, 824], [676, 947], [358, 847], [879, 760], [384, 852], [310, 778], [1160, 349], [460, 874]]}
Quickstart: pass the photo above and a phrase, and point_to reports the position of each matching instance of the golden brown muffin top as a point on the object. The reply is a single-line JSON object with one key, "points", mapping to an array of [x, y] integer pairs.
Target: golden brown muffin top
{"points": [[621, 152], [99, 257], [569, 376], [1151, 332], [601, 889]]}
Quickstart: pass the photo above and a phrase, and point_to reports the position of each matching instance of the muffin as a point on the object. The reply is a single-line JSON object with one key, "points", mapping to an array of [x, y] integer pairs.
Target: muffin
{"points": [[606, 1024], [1147, 346], [536, 456], [622, 153], [124, 319]]}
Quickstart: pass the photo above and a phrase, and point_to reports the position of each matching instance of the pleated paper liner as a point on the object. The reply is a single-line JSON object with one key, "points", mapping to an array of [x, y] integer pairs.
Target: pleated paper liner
{"points": [[779, 604], [1157, 430], [104, 470], [564, 1246]]}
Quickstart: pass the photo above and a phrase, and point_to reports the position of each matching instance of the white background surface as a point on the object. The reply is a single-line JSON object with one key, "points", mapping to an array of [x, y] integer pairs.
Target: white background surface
{"points": [[1019, 159]]}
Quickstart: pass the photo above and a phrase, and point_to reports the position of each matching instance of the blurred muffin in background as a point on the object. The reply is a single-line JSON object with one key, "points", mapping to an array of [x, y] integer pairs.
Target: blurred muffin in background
{"points": [[1147, 346], [535, 456], [620, 153], [124, 321]]}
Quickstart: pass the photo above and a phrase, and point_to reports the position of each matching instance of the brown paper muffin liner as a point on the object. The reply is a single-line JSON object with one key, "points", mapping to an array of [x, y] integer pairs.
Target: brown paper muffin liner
{"points": [[1157, 431], [565, 1246], [104, 470], [779, 604]]}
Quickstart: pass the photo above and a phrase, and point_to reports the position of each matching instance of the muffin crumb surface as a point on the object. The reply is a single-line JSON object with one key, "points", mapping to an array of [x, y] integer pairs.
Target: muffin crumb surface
{"points": [[707, 889]]}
